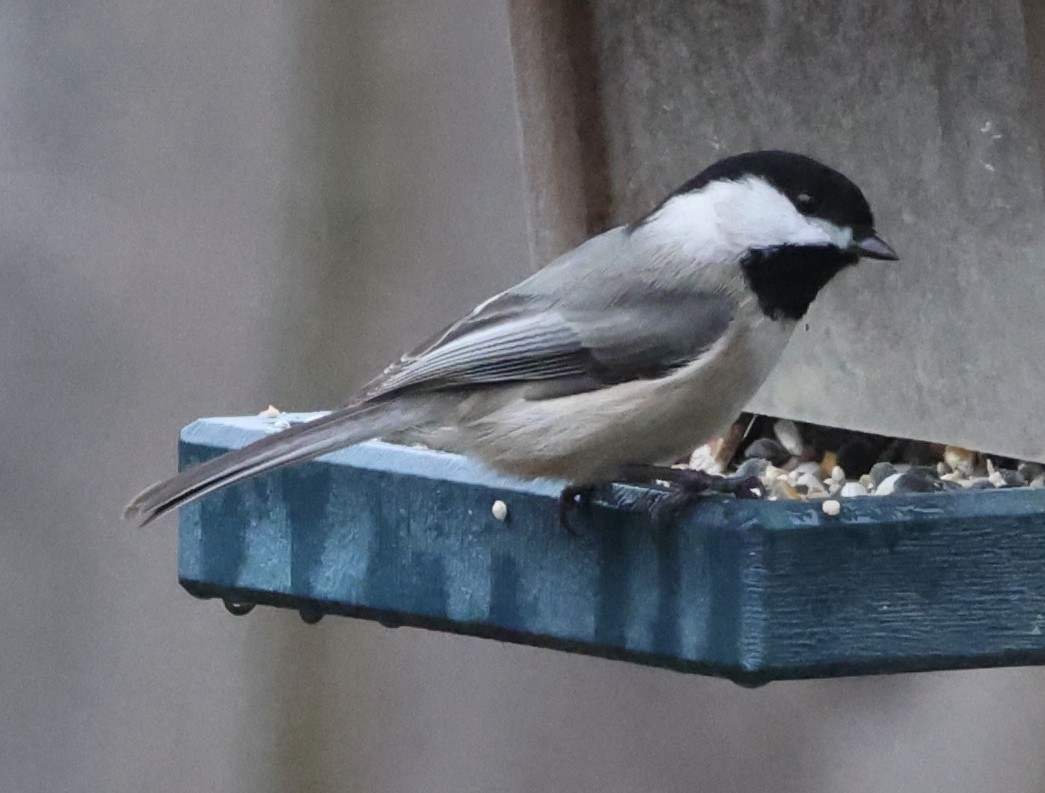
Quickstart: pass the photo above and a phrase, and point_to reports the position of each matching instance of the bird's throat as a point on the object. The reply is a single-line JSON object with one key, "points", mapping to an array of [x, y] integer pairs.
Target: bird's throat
{"points": [[787, 279]]}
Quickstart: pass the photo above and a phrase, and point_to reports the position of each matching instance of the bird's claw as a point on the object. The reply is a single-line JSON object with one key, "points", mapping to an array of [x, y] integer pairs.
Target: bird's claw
{"points": [[692, 485], [573, 497], [747, 487]]}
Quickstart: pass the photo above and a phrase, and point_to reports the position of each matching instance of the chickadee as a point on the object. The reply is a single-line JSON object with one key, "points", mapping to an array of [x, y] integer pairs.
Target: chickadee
{"points": [[628, 351]]}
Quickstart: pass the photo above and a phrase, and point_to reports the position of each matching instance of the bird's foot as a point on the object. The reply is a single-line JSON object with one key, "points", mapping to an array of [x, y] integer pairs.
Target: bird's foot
{"points": [[744, 487], [687, 484]]}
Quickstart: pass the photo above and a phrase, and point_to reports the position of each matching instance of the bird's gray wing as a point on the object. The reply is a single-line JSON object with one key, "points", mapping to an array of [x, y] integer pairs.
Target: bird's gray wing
{"points": [[563, 347]]}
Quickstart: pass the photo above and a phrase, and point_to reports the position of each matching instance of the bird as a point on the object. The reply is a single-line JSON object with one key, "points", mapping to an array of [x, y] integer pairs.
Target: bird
{"points": [[615, 359]]}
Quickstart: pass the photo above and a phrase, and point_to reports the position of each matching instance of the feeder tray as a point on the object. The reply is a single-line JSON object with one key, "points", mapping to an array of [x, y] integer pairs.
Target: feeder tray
{"points": [[749, 590]]}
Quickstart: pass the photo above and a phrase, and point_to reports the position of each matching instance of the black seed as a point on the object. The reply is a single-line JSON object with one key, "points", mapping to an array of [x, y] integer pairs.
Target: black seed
{"points": [[912, 482], [1011, 478], [924, 472], [768, 449], [857, 456], [880, 472], [753, 467]]}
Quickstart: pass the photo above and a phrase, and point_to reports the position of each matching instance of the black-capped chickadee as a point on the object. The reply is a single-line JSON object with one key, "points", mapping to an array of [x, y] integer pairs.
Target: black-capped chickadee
{"points": [[630, 350]]}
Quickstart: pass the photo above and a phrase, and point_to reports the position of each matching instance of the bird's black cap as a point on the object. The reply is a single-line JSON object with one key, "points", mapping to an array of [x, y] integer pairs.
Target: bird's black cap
{"points": [[814, 188]]}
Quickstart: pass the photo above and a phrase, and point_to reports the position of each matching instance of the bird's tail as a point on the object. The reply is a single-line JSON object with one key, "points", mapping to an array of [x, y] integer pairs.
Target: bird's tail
{"points": [[298, 443]]}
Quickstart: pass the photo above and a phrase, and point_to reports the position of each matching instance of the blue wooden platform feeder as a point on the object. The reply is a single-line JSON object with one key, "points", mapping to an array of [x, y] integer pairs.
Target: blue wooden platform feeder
{"points": [[752, 591]]}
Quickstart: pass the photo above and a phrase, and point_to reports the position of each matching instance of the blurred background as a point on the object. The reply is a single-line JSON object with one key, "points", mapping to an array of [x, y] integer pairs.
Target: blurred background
{"points": [[206, 208]]}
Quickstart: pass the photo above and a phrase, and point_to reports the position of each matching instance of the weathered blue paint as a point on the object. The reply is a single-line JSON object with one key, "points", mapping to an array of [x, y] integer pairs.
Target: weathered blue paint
{"points": [[753, 591]]}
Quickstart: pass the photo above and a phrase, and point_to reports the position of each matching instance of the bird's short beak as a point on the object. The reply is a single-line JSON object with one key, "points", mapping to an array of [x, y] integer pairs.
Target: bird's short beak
{"points": [[873, 247]]}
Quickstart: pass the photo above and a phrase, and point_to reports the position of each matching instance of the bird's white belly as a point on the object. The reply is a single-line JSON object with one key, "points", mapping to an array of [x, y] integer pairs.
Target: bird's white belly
{"points": [[588, 437]]}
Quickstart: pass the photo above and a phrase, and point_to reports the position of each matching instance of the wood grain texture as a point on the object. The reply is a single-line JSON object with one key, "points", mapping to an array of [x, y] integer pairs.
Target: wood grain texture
{"points": [[563, 138], [752, 591]]}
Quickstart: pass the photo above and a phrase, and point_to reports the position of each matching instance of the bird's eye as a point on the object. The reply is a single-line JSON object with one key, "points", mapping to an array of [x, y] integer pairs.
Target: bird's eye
{"points": [[807, 204]]}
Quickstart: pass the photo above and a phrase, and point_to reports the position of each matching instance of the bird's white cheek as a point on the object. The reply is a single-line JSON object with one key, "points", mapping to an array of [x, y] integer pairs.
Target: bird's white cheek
{"points": [[757, 215], [839, 236], [722, 222], [774, 222]]}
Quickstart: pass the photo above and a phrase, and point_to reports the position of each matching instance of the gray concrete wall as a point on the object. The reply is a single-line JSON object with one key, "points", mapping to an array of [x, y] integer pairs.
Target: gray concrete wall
{"points": [[207, 207], [933, 108]]}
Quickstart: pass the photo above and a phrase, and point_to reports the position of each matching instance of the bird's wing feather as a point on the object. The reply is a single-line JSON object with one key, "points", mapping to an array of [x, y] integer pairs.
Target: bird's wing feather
{"points": [[519, 338]]}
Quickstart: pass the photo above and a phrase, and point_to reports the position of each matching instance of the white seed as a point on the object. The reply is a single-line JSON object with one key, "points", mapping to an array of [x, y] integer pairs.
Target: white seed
{"points": [[831, 507], [499, 510], [850, 489], [703, 459], [995, 478], [812, 484], [281, 424], [838, 474], [808, 467], [787, 433], [866, 481], [885, 488], [772, 474], [270, 412]]}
